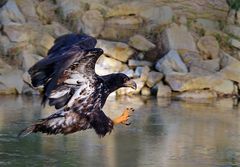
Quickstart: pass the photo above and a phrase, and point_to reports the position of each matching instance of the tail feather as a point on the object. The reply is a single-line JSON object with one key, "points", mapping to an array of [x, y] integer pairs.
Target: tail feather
{"points": [[62, 122]]}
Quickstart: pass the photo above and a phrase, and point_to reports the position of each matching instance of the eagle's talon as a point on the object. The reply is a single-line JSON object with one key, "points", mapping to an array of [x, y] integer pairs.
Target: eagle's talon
{"points": [[123, 119]]}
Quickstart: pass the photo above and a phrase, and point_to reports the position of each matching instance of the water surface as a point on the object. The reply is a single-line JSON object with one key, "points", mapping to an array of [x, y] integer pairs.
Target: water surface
{"points": [[164, 133]]}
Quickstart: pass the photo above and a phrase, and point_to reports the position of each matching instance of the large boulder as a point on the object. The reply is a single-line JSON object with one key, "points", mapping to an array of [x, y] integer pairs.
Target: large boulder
{"points": [[122, 27], [56, 29], [171, 63], [209, 47], [181, 83], [93, 23], [28, 59], [68, 9], [110, 64], [10, 14], [233, 30], [163, 90], [156, 15], [11, 82], [231, 72], [135, 63], [176, 37], [27, 7], [153, 78], [141, 43], [43, 42], [117, 50], [17, 33]]}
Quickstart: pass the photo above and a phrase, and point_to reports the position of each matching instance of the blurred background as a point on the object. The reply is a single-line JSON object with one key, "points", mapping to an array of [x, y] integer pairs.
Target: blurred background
{"points": [[184, 56]]}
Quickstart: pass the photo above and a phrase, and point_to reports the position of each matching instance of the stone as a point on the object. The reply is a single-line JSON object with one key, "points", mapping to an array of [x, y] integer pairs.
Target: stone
{"points": [[172, 39], [43, 42], [171, 63], [153, 55], [117, 50], [138, 71], [204, 67], [73, 8], [208, 24], [129, 73], [144, 74], [46, 12], [231, 72], [153, 78], [141, 43], [145, 91], [235, 43], [110, 63], [28, 59], [27, 90], [10, 14], [209, 47], [121, 28], [5, 44], [99, 6], [135, 63], [93, 23], [16, 33], [56, 29], [157, 15], [163, 90], [190, 82], [233, 30], [11, 82], [27, 7], [4, 67], [130, 91], [198, 94]]}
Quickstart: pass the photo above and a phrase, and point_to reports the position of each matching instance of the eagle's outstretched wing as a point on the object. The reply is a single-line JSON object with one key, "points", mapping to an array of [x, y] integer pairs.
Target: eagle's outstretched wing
{"points": [[70, 62]]}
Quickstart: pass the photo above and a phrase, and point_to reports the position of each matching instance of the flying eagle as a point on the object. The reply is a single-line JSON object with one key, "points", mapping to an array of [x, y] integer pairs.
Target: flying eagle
{"points": [[70, 83]]}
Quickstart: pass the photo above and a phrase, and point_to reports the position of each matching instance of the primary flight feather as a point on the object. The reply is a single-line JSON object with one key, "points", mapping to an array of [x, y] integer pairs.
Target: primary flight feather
{"points": [[70, 83]]}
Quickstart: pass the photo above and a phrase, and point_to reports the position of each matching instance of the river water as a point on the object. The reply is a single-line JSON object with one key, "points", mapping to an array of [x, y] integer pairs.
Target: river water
{"points": [[163, 133]]}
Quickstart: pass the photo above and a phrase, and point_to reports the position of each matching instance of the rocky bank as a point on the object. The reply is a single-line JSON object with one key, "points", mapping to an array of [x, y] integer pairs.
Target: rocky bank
{"points": [[187, 49]]}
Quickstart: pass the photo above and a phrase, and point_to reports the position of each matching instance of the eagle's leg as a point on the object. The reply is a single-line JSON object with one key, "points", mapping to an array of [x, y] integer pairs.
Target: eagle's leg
{"points": [[123, 119]]}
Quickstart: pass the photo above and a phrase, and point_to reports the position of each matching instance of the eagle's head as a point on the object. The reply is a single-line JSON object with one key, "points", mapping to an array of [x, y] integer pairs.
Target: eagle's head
{"points": [[118, 80]]}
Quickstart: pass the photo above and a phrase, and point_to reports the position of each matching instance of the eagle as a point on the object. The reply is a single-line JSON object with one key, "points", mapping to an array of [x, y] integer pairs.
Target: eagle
{"points": [[71, 85]]}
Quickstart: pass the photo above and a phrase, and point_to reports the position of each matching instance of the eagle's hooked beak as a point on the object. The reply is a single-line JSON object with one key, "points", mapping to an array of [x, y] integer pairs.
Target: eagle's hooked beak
{"points": [[131, 84]]}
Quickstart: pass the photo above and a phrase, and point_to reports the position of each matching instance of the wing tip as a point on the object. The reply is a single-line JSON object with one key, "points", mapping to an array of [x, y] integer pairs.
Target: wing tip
{"points": [[25, 132]]}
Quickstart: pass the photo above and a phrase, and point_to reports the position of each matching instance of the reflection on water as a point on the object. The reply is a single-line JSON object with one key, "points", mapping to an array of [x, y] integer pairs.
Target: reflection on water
{"points": [[164, 133]]}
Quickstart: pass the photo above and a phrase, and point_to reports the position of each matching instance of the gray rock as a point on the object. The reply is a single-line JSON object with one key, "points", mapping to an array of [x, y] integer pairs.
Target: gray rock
{"points": [[93, 23], [11, 82], [4, 67], [71, 8], [198, 94], [56, 29], [189, 82], [129, 73], [171, 63], [5, 44], [209, 47], [163, 90], [10, 14], [208, 24], [153, 78], [204, 67], [138, 71], [28, 59], [27, 7], [172, 39], [16, 33], [144, 74], [157, 15], [145, 91], [117, 50], [121, 28], [111, 64], [233, 30], [235, 43], [141, 43], [136, 63], [43, 42]]}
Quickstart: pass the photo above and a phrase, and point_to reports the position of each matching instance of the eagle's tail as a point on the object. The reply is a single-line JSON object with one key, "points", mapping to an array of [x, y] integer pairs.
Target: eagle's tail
{"points": [[62, 122]]}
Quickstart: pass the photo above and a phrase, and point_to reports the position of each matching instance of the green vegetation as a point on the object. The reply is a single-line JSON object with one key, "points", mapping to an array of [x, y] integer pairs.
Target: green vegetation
{"points": [[234, 5]]}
